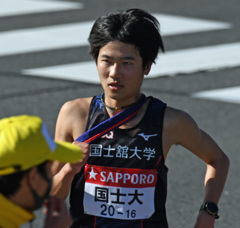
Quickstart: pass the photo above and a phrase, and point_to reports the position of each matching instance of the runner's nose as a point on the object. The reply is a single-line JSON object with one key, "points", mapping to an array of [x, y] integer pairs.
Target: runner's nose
{"points": [[115, 71]]}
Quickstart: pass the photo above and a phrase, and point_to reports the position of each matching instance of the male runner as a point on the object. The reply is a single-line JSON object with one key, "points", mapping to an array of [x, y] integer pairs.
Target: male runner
{"points": [[124, 181]]}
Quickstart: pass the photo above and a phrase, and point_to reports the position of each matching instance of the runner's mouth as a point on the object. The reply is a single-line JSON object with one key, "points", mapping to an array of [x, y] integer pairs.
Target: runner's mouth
{"points": [[115, 86]]}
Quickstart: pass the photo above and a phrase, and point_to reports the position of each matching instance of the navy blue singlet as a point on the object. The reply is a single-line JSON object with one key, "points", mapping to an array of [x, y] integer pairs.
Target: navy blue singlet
{"points": [[124, 183]]}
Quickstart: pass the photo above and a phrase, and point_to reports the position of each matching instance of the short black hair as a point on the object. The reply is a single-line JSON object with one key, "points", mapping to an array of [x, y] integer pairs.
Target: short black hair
{"points": [[9, 184], [134, 26]]}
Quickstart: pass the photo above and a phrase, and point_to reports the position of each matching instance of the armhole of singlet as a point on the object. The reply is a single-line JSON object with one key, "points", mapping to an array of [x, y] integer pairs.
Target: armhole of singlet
{"points": [[162, 117], [89, 113]]}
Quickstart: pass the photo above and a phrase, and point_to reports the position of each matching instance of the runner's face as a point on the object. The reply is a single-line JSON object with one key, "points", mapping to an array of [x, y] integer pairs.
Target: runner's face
{"points": [[121, 73]]}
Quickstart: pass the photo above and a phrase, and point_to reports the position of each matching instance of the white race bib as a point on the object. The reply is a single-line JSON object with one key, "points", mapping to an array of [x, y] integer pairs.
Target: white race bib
{"points": [[119, 193]]}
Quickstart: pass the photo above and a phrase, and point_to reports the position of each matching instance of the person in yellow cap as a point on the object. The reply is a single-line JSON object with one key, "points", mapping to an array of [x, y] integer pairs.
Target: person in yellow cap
{"points": [[26, 155]]}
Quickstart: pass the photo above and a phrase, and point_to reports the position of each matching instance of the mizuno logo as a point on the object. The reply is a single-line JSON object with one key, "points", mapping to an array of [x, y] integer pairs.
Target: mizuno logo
{"points": [[146, 137]]}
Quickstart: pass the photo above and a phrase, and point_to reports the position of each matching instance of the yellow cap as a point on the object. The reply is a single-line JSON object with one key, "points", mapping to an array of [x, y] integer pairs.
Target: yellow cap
{"points": [[25, 142]]}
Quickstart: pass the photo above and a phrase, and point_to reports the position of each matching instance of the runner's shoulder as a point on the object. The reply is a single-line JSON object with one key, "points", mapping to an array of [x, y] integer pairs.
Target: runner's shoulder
{"points": [[176, 117], [77, 106]]}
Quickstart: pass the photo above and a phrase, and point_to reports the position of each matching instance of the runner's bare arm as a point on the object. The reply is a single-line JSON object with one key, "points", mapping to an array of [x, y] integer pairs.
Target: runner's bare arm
{"points": [[71, 123], [184, 131]]}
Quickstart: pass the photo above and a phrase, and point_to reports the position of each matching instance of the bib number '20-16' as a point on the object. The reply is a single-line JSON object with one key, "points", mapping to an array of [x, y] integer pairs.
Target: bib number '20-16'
{"points": [[110, 211]]}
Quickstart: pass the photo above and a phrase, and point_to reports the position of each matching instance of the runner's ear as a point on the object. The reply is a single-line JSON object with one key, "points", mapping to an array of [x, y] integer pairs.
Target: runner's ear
{"points": [[147, 68]]}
